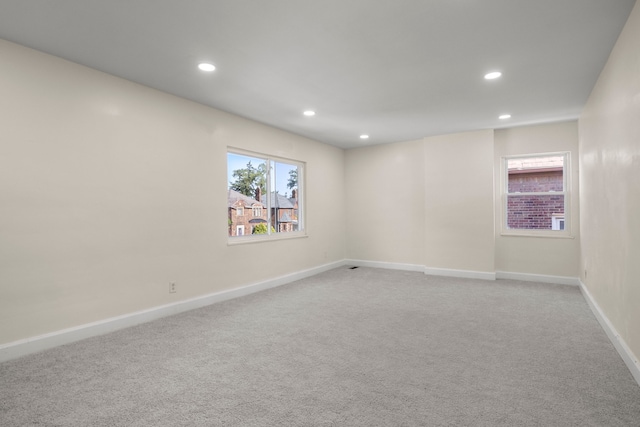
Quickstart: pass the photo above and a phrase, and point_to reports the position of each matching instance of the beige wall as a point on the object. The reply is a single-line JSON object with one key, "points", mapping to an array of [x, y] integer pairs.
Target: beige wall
{"points": [[426, 203], [539, 255], [447, 188], [385, 203], [458, 190], [110, 190], [610, 187]]}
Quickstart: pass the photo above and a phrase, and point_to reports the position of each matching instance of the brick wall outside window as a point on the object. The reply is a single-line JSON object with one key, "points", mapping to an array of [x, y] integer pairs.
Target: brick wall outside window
{"points": [[525, 211], [533, 212], [535, 182]]}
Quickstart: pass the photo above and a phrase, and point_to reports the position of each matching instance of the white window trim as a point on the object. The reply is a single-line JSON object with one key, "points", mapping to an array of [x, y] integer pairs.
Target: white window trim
{"points": [[504, 189], [253, 238]]}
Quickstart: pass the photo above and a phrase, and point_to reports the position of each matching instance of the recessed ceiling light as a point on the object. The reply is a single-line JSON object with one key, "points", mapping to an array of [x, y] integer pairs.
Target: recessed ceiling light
{"points": [[504, 116], [364, 136], [492, 75], [309, 113], [205, 66]]}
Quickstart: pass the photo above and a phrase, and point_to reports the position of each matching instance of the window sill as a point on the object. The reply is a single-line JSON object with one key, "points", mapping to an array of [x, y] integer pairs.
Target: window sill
{"points": [[242, 240]]}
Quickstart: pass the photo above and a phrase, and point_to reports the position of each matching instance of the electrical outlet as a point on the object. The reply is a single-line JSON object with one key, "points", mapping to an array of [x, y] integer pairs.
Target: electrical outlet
{"points": [[172, 287]]}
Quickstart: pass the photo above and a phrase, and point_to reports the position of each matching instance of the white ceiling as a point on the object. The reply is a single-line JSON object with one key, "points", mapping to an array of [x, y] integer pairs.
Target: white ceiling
{"points": [[397, 70]]}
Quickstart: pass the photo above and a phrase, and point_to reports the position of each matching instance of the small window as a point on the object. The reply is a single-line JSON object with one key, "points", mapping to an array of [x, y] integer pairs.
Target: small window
{"points": [[536, 196], [271, 187], [239, 211], [557, 222]]}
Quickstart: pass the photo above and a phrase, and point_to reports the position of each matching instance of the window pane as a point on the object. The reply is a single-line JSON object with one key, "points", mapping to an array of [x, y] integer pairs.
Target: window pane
{"points": [[263, 195], [535, 212], [247, 184], [285, 196], [535, 174], [535, 192]]}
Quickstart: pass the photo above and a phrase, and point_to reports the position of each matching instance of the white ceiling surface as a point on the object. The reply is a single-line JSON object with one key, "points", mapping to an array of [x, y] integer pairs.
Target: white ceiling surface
{"points": [[397, 70]]}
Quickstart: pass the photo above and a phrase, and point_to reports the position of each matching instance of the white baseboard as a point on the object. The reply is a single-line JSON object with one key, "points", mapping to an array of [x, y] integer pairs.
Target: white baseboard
{"points": [[35, 344], [381, 264], [542, 278], [466, 274], [618, 342]]}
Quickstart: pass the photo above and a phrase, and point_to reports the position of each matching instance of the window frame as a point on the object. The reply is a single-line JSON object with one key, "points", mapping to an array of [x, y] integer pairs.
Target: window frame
{"points": [[566, 193], [271, 236]]}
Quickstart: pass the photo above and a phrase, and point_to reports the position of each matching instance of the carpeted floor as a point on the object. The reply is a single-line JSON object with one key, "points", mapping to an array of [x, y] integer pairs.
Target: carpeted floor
{"points": [[363, 347]]}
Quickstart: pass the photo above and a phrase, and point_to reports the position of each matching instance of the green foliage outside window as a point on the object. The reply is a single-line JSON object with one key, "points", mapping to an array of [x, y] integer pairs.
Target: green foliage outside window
{"points": [[262, 229]]}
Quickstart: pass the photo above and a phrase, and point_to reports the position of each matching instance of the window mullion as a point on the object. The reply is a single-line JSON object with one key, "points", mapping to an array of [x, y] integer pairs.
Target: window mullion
{"points": [[268, 195], [539, 193]]}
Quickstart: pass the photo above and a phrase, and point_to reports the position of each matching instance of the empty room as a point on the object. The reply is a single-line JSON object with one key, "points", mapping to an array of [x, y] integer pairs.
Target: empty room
{"points": [[295, 213]]}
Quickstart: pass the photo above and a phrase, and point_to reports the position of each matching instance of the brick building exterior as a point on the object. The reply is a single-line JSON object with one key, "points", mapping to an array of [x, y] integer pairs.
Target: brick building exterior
{"points": [[536, 211], [284, 212], [244, 213]]}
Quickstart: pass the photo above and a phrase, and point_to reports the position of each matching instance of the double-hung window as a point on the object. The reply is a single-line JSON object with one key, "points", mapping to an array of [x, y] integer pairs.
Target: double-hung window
{"points": [[273, 187], [536, 196]]}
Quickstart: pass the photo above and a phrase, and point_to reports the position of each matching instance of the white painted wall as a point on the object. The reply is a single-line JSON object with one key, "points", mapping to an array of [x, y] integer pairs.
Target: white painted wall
{"points": [[385, 203], [539, 255], [110, 190], [426, 203], [458, 188], [610, 187]]}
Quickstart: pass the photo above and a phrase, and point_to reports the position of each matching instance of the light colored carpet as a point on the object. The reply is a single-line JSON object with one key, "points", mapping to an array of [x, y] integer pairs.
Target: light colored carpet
{"points": [[363, 347]]}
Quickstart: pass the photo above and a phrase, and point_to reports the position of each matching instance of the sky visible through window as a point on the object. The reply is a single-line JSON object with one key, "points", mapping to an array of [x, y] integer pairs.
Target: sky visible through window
{"points": [[239, 161], [535, 162]]}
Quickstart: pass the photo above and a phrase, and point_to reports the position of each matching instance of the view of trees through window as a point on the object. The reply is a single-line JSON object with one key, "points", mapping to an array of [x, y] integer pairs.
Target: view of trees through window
{"points": [[536, 193], [263, 195]]}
